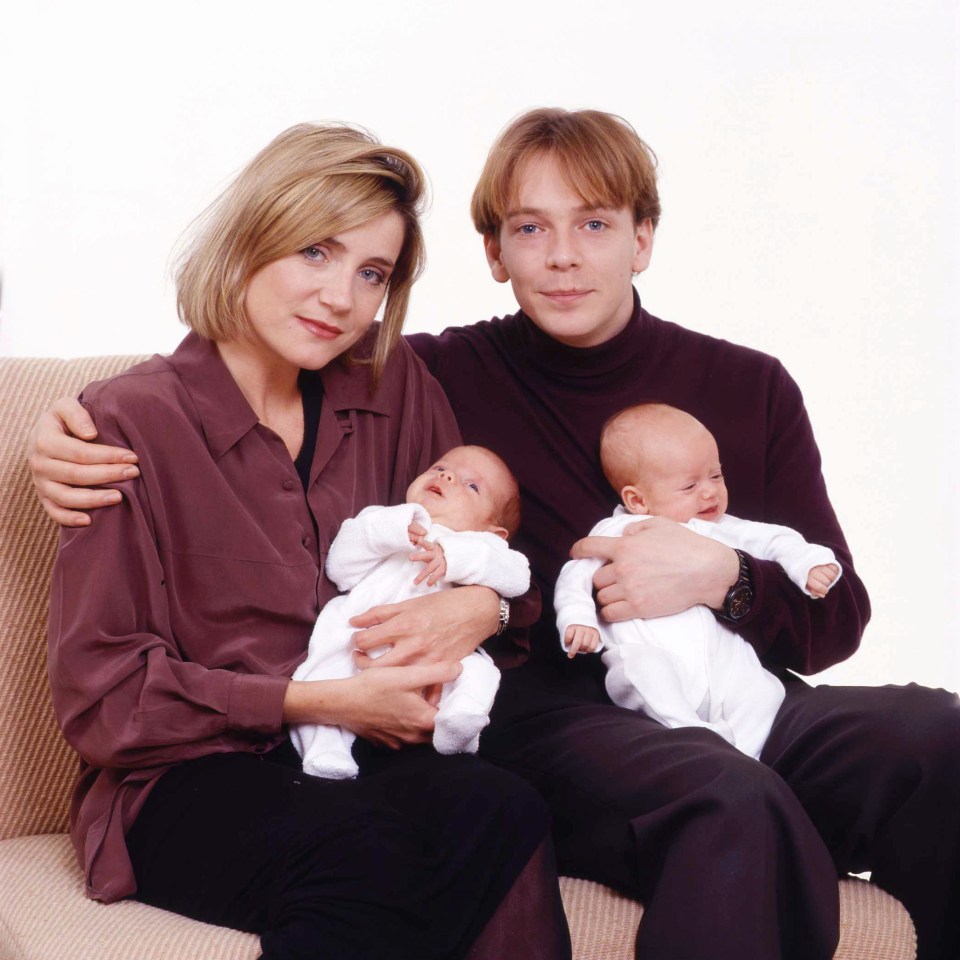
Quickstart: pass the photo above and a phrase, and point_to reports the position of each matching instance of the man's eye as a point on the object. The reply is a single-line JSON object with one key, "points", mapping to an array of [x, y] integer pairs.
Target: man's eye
{"points": [[595, 225], [527, 228]]}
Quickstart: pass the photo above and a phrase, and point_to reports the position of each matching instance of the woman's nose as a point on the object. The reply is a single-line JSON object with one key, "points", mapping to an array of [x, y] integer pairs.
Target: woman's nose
{"points": [[336, 291]]}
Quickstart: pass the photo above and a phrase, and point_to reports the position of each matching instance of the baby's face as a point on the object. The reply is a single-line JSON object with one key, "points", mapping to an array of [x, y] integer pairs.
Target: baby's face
{"points": [[685, 481], [464, 490]]}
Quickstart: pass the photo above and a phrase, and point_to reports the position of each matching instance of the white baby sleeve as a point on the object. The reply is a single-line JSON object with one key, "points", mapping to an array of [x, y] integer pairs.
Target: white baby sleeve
{"points": [[368, 538], [573, 597], [770, 541], [477, 557]]}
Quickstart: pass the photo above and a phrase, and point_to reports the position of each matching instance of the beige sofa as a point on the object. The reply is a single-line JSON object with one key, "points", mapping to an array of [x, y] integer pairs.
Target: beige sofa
{"points": [[43, 912]]}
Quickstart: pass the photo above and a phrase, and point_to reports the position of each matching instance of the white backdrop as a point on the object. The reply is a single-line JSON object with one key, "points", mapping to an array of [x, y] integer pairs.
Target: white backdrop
{"points": [[809, 158]]}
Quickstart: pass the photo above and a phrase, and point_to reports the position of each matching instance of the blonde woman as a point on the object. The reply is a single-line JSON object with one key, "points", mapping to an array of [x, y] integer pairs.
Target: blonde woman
{"points": [[177, 622]]}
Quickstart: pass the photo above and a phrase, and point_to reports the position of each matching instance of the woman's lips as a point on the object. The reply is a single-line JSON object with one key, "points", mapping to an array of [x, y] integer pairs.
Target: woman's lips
{"points": [[320, 329]]}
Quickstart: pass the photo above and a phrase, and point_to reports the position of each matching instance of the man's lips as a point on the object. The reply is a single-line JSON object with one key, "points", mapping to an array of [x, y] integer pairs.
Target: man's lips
{"points": [[565, 296], [318, 328]]}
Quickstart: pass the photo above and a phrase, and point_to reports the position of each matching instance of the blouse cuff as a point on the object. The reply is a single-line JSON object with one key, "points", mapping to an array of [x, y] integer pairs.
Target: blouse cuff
{"points": [[256, 703]]}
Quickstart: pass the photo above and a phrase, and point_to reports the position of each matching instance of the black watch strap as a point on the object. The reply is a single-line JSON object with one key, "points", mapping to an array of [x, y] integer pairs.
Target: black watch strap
{"points": [[739, 599]]}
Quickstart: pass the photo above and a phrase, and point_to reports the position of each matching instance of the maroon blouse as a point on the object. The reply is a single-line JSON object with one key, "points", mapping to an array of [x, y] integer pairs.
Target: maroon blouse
{"points": [[178, 616]]}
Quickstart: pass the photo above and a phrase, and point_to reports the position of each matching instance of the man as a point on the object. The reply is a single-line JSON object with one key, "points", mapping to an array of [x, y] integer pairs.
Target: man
{"points": [[731, 857]]}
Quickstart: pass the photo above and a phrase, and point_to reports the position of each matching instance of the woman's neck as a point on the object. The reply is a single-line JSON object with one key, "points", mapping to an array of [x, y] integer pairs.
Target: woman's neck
{"points": [[269, 385]]}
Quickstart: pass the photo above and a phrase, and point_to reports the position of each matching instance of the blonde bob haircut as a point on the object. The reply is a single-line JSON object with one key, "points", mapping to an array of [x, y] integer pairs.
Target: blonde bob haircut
{"points": [[600, 156], [310, 183]]}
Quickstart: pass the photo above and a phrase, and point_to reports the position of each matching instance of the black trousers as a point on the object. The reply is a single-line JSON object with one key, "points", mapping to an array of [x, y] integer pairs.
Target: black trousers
{"points": [[735, 858], [408, 861]]}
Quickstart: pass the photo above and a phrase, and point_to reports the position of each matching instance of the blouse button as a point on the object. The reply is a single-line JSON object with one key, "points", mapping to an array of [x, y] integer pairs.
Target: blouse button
{"points": [[289, 484], [306, 541]]}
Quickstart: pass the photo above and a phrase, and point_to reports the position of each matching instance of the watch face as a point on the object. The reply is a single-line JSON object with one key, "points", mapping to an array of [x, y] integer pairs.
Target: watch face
{"points": [[739, 601]]}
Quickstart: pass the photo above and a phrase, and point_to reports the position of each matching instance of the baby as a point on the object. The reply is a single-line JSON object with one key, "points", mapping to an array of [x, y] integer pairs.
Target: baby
{"points": [[687, 669], [452, 529]]}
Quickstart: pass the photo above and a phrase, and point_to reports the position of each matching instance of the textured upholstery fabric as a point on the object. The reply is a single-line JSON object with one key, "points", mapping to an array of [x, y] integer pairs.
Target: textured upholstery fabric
{"points": [[43, 912], [36, 766]]}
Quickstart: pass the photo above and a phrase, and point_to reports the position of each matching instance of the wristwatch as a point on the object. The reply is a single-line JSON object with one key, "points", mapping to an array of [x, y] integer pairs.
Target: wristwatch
{"points": [[739, 598], [504, 616]]}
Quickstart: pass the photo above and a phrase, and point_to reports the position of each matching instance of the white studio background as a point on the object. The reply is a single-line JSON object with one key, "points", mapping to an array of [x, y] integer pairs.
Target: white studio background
{"points": [[809, 158]]}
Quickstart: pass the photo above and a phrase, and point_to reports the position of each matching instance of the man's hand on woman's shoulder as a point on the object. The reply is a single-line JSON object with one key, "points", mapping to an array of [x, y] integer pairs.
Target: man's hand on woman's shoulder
{"points": [[68, 468]]}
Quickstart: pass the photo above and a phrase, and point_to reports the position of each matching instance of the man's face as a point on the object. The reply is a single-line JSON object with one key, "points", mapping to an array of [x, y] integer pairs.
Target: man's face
{"points": [[571, 265]]}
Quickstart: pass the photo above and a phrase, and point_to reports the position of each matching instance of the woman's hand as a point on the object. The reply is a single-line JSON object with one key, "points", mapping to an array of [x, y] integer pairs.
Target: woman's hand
{"points": [[386, 707], [60, 463], [446, 625], [657, 568]]}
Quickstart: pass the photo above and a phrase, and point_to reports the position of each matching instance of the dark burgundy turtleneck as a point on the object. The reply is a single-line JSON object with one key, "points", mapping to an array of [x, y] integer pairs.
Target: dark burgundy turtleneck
{"points": [[541, 404]]}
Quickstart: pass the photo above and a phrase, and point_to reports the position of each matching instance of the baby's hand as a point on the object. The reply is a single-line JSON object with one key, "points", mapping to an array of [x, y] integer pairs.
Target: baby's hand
{"points": [[416, 533], [433, 560], [580, 639], [820, 578]]}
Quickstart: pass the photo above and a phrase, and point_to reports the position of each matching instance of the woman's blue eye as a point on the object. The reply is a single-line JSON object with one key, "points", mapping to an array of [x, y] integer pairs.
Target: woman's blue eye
{"points": [[313, 253], [372, 276]]}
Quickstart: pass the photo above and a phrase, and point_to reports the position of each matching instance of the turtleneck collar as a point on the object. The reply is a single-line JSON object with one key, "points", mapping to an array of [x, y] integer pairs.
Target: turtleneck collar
{"points": [[560, 360]]}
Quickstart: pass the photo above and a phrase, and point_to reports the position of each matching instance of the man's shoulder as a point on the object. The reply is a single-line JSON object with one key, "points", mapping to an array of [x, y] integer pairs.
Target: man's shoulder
{"points": [[473, 337], [673, 336]]}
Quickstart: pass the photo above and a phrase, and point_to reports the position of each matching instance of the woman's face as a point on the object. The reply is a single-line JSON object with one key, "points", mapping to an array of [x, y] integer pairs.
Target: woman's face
{"points": [[308, 308]]}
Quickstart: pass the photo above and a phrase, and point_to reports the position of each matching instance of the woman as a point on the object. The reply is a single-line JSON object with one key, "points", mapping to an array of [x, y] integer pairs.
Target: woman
{"points": [[176, 625]]}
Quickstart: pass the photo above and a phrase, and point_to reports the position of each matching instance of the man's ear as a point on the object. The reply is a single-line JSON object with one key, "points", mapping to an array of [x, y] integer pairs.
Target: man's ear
{"points": [[491, 246], [644, 245], [633, 500]]}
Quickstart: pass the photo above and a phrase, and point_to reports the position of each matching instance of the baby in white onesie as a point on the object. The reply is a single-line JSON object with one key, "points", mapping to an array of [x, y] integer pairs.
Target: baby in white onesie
{"points": [[453, 529], [687, 669]]}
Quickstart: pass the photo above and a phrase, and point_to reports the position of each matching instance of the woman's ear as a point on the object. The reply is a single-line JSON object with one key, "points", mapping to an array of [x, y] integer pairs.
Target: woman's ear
{"points": [[491, 246], [633, 500]]}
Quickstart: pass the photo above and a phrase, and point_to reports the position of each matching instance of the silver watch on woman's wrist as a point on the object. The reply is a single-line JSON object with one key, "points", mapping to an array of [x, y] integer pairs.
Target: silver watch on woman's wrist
{"points": [[504, 616]]}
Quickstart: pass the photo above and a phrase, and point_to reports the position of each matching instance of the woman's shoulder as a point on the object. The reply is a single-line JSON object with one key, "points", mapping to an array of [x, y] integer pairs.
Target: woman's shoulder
{"points": [[149, 380], [145, 399]]}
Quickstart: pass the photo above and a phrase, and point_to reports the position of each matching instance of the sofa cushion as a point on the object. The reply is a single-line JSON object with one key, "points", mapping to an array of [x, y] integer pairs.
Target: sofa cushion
{"points": [[45, 916]]}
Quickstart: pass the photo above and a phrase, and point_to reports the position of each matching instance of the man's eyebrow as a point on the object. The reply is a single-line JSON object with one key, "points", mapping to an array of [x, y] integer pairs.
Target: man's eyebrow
{"points": [[539, 212]]}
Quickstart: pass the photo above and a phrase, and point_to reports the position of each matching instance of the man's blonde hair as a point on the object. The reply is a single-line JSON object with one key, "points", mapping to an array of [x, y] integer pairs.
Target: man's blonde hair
{"points": [[310, 183], [600, 156]]}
